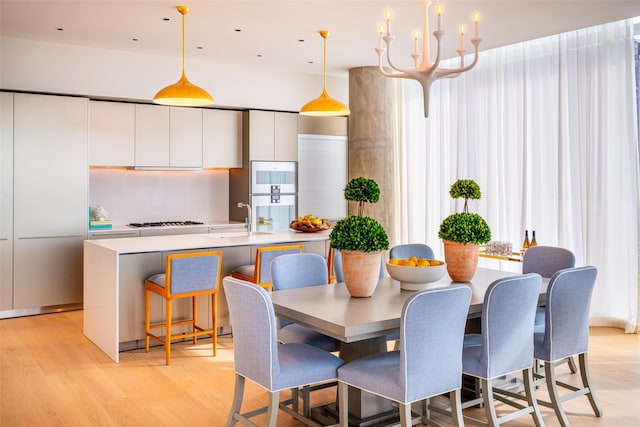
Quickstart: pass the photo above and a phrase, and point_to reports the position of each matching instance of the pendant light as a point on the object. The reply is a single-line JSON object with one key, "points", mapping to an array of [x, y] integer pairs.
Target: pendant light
{"points": [[324, 105], [183, 93]]}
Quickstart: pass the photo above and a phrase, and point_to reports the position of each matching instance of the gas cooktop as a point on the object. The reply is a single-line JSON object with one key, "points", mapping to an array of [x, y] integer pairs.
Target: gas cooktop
{"points": [[164, 224]]}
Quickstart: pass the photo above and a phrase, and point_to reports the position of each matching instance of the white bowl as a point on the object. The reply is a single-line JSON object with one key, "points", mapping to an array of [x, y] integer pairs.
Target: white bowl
{"points": [[416, 278]]}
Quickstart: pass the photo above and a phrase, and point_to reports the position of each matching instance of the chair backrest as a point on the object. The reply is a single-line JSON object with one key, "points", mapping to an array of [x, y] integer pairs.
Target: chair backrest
{"points": [[407, 250], [508, 315], [566, 331], [298, 271], [193, 272], [431, 335], [337, 266], [255, 346], [546, 260], [265, 255]]}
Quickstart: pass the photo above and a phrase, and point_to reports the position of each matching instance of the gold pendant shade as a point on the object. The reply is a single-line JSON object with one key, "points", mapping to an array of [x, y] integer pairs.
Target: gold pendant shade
{"points": [[324, 105], [183, 93]]}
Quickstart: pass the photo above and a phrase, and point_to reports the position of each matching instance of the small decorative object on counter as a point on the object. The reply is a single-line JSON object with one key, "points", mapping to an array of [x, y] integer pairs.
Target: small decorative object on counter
{"points": [[499, 248], [533, 239], [100, 219], [525, 243]]}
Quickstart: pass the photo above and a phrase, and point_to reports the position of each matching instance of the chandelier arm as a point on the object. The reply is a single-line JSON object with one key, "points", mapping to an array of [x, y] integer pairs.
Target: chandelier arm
{"points": [[447, 72]]}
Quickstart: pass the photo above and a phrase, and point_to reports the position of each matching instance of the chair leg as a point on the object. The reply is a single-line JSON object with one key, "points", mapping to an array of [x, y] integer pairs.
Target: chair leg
{"points": [[572, 365], [405, 414], [214, 323], [274, 405], [586, 383], [194, 311], [343, 403], [527, 375], [237, 400], [167, 340], [147, 318], [455, 400], [554, 394], [487, 398]]}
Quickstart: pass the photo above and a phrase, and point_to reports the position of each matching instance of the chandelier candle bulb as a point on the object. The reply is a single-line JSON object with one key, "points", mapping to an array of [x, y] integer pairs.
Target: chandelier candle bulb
{"points": [[388, 22], [416, 35], [439, 15], [461, 37], [476, 18], [381, 31]]}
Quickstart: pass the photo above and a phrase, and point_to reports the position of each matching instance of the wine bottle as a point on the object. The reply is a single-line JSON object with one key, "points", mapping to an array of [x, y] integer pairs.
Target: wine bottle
{"points": [[525, 243], [533, 239]]}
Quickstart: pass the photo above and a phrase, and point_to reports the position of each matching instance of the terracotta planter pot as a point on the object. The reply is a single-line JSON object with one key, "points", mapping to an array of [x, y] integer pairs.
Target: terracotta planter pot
{"points": [[462, 260], [361, 272]]}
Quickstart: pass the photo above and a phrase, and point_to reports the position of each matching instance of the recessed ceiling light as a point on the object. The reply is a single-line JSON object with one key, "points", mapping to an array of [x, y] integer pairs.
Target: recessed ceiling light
{"points": [[259, 55], [166, 19], [301, 40], [134, 39], [60, 29], [310, 62], [199, 47], [237, 30]]}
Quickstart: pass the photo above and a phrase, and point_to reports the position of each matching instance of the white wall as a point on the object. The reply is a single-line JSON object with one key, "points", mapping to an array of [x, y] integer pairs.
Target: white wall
{"points": [[27, 65], [145, 196]]}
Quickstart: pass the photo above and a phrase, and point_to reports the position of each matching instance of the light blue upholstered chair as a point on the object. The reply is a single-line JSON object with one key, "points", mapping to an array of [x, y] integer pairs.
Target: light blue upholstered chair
{"points": [[428, 362], [546, 261], [505, 344], [566, 334], [298, 271], [259, 357], [412, 249], [187, 275], [260, 272]]}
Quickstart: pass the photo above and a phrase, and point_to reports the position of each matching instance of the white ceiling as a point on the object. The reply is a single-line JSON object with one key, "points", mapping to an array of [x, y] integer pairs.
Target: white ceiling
{"points": [[273, 29]]}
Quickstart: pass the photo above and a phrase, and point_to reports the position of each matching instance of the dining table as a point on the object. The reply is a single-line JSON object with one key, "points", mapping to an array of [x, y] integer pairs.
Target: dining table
{"points": [[363, 324]]}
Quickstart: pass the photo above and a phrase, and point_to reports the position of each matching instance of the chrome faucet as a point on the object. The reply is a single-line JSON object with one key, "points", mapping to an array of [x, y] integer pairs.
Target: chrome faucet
{"points": [[248, 206]]}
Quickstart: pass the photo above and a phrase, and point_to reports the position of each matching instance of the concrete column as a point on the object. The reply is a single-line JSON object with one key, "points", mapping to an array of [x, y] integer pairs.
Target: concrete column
{"points": [[371, 138]]}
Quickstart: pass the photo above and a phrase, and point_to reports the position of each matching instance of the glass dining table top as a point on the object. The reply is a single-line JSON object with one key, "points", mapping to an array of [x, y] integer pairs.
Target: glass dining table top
{"points": [[331, 310]]}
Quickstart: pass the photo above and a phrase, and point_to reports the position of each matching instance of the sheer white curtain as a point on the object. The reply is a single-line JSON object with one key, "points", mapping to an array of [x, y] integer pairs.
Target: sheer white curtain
{"points": [[548, 130]]}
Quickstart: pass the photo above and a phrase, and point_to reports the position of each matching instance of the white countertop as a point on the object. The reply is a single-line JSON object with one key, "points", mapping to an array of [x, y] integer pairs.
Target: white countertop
{"points": [[131, 245], [220, 225]]}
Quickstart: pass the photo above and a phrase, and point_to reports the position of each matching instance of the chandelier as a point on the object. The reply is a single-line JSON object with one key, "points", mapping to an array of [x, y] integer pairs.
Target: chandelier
{"points": [[426, 72]]}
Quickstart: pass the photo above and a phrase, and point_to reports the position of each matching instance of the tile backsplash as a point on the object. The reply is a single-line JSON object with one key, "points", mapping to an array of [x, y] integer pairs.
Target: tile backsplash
{"points": [[140, 196]]}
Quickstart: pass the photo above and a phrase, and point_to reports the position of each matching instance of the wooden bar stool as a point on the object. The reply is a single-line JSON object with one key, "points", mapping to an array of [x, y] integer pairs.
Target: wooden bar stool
{"points": [[187, 275]]}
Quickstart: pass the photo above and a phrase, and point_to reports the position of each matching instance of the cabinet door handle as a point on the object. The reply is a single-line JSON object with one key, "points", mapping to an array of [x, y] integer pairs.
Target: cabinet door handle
{"points": [[49, 237]]}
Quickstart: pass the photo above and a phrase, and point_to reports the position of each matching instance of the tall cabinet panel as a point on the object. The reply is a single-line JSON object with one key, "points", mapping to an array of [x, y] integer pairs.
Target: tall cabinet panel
{"points": [[50, 198], [6, 201], [286, 137], [221, 138]]}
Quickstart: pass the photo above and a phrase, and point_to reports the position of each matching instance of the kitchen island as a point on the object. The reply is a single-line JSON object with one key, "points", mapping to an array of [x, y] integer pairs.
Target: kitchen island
{"points": [[115, 269]]}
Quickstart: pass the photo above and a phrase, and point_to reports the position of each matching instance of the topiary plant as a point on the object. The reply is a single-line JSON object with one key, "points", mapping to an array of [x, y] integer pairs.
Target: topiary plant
{"points": [[362, 190], [358, 232], [465, 227]]}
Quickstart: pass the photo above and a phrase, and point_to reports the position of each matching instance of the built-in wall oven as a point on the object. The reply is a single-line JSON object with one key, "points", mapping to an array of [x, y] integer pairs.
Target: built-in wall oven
{"points": [[264, 195]]}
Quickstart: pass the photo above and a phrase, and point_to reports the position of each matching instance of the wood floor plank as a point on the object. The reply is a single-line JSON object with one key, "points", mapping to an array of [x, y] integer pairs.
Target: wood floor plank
{"points": [[50, 374]]}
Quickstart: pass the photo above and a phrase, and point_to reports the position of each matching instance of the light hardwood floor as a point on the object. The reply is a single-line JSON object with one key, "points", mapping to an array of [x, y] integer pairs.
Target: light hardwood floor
{"points": [[50, 374]]}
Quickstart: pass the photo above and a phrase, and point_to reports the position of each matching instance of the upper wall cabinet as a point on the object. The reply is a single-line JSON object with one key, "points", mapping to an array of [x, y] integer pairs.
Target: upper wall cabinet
{"points": [[168, 136], [111, 134], [271, 136], [221, 139]]}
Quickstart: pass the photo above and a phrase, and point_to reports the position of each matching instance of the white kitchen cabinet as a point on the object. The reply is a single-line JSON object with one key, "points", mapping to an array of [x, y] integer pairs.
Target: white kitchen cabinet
{"points": [[50, 198], [168, 136], [272, 136], [6, 200], [221, 139], [111, 133], [286, 137], [152, 135], [185, 142]]}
